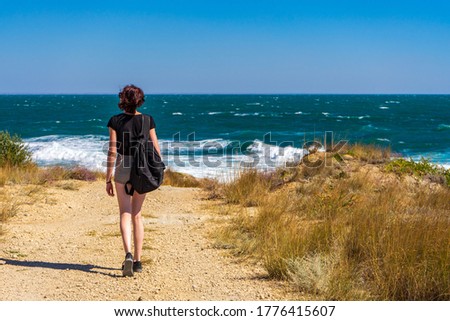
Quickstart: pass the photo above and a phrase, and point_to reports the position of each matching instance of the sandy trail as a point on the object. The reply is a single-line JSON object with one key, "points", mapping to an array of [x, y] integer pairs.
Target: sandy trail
{"points": [[64, 244]]}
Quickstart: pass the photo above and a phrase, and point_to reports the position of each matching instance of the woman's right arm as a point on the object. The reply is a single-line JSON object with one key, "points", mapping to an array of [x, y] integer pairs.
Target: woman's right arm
{"points": [[111, 159]]}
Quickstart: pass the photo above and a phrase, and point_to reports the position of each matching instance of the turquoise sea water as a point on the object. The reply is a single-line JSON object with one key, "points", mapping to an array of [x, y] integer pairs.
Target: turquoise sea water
{"points": [[71, 129]]}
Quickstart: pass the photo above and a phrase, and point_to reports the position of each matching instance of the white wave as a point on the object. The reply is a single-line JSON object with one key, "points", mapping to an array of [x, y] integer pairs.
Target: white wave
{"points": [[214, 158], [298, 113], [253, 104], [215, 112], [373, 128], [171, 147], [352, 117], [246, 114], [276, 155], [392, 102], [222, 169], [383, 140], [177, 113], [384, 107], [325, 114], [443, 126], [226, 166], [86, 151]]}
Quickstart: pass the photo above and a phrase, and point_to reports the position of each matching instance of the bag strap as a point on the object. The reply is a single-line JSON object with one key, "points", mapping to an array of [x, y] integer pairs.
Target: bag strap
{"points": [[142, 134]]}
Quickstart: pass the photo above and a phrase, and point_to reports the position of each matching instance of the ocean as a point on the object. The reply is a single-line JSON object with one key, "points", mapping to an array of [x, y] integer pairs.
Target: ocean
{"points": [[214, 135]]}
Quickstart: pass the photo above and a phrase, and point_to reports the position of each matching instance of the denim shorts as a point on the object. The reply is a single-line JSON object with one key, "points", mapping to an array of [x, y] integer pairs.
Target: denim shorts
{"points": [[123, 168]]}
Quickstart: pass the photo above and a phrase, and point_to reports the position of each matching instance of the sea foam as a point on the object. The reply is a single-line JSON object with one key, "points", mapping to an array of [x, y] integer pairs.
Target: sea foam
{"points": [[213, 158], [88, 151]]}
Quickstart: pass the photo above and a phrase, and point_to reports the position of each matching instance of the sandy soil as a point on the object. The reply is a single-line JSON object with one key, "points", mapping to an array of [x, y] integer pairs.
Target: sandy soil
{"points": [[64, 244]]}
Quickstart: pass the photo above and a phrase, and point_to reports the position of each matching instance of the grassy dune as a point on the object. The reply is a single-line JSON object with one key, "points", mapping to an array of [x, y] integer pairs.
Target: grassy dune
{"points": [[362, 229]]}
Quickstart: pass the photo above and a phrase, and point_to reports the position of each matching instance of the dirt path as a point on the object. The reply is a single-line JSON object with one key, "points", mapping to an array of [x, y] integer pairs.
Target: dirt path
{"points": [[64, 244]]}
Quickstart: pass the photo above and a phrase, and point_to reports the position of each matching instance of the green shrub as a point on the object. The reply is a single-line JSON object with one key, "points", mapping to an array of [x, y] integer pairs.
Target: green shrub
{"points": [[421, 168], [13, 151]]}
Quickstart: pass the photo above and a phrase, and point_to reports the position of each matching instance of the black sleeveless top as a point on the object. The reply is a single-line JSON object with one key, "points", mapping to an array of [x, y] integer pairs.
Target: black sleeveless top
{"points": [[128, 128]]}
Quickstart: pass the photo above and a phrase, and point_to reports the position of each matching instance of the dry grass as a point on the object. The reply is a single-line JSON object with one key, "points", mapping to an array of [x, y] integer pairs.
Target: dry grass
{"points": [[8, 209], [180, 180], [19, 175], [246, 189], [345, 232], [31, 174], [372, 154]]}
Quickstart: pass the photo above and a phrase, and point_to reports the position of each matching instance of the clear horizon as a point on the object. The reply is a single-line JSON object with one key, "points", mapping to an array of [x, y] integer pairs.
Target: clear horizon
{"points": [[203, 47]]}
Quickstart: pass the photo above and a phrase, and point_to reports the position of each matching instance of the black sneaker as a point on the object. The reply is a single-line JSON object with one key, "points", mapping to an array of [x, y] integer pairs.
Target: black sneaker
{"points": [[127, 266], [137, 266]]}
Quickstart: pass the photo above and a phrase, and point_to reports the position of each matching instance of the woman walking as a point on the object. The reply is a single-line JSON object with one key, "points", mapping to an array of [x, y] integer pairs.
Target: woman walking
{"points": [[124, 130]]}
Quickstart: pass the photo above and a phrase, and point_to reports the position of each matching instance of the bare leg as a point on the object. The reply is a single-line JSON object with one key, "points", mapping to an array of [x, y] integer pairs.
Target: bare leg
{"points": [[125, 216], [138, 225]]}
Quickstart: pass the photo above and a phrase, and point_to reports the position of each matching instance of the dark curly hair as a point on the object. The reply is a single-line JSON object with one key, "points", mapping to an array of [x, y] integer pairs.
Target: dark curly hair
{"points": [[131, 97]]}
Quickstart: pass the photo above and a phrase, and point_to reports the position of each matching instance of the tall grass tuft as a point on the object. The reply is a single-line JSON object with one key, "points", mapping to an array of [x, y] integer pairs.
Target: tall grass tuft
{"points": [[248, 189]]}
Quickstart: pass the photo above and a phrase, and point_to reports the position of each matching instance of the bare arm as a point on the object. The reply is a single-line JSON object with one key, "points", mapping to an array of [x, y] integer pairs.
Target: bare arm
{"points": [[154, 139], [110, 161]]}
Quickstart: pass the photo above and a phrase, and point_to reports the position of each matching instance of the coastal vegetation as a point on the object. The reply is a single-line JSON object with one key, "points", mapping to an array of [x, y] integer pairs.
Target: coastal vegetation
{"points": [[13, 152], [363, 228]]}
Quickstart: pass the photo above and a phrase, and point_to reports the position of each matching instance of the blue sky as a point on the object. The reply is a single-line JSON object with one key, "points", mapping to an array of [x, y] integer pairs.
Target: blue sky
{"points": [[194, 46]]}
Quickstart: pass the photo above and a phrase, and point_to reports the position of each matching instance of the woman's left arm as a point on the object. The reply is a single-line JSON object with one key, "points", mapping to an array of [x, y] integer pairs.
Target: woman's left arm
{"points": [[154, 139], [110, 161]]}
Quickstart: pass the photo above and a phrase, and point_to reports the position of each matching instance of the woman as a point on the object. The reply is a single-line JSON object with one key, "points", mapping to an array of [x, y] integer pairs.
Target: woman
{"points": [[124, 129]]}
